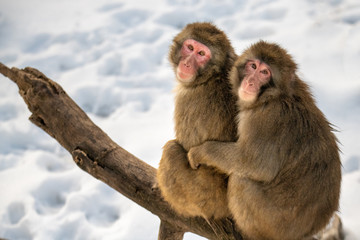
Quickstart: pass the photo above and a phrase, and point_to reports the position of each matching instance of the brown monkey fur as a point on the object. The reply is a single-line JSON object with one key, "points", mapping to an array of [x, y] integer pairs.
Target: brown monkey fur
{"points": [[205, 110], [284, 170]]}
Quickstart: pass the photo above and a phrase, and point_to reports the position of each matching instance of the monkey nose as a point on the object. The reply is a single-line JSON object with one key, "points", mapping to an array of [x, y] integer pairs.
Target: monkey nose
{"points": [[250, 81]]}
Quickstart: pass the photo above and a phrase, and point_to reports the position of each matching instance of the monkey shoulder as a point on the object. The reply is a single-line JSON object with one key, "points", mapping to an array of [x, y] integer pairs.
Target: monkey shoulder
{"points": [[205, 112]]}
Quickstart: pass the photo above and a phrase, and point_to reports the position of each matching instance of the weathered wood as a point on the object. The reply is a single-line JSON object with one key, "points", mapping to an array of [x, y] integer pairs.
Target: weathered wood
{"points": [[169, 232], [94, 152]]}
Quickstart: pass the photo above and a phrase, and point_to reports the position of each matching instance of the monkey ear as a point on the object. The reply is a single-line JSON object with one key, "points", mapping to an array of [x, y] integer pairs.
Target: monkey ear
{"points": [[287, 83], [232, 56], [293, 78], [291, 83], [234, 78]]}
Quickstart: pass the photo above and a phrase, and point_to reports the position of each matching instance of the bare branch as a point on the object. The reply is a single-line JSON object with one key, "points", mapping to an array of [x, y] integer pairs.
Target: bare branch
{"points": [[169, 232]]}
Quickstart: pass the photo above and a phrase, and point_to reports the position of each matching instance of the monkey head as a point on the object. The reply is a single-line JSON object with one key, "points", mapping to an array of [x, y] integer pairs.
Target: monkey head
{"points": [[263, 72], [201, 52]]}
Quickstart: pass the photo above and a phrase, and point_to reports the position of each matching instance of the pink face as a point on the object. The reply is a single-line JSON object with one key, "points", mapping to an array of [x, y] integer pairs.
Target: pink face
{"points": [[194, 55], [257, 73]]}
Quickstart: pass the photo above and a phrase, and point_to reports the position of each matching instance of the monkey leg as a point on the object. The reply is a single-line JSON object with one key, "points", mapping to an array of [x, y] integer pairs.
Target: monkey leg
{"points": [[264, 213], [254, 218], [201, 192]]}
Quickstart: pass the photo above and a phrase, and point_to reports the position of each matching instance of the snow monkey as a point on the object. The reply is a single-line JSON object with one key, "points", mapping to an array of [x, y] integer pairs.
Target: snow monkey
{"points": [[205, 109], [284, 170]]}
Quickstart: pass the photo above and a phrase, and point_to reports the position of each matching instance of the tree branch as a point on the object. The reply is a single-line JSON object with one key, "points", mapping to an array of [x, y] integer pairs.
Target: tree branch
{"points": [[169, 232], [94, 152]]}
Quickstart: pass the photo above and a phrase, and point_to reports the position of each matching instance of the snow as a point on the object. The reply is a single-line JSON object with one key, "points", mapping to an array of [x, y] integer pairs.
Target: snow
{"points": [[111, 58]]}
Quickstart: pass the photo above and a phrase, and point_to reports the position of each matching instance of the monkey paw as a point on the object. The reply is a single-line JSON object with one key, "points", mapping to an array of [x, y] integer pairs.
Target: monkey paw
{"points": [[193, 159]]}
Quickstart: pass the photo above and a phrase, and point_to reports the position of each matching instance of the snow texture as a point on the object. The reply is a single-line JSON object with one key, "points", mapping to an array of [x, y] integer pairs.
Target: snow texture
{"points": [[111, 58]]}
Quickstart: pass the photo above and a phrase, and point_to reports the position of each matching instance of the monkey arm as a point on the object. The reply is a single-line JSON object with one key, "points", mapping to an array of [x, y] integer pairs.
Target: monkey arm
{"points": [[221, 155], [174, 157], [230, 158]]}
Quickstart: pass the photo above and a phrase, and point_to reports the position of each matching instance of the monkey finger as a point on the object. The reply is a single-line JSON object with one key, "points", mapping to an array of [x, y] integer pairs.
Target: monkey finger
{"points": [[193, 159], [194, 165]]}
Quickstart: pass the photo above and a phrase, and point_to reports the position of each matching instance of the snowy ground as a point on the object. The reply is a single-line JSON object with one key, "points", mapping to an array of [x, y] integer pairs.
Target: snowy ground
{"points": [[111, 58]]}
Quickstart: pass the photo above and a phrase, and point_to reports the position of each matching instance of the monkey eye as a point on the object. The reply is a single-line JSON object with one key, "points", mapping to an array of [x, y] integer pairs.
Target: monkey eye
{"points": [[253, 65], [190, 47], [202, 53], [265, 72]]}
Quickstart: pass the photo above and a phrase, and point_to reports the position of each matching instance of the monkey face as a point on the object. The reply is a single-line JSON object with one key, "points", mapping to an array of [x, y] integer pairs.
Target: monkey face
{"points": [[257, 73], [201, 53], [262, 73], [193, 56]]}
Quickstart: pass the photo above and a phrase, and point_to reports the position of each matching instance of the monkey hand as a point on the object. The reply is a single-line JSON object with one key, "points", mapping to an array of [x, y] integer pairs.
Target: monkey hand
{"points": [[194, 158]]}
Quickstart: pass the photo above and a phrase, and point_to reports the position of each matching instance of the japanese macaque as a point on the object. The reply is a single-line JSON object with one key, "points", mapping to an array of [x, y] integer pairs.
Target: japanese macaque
{"points": [[205, 109], [284, 170]]}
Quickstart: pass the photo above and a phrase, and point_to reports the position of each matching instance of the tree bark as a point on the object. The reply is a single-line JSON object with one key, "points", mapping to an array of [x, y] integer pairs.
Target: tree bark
{"points": [[169, 232], [94, 152]]}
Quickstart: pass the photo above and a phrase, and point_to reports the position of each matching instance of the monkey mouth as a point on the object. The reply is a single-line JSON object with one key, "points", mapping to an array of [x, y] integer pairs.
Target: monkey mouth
{"points": [[246, 91], [184, 77], [247, 95]]}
